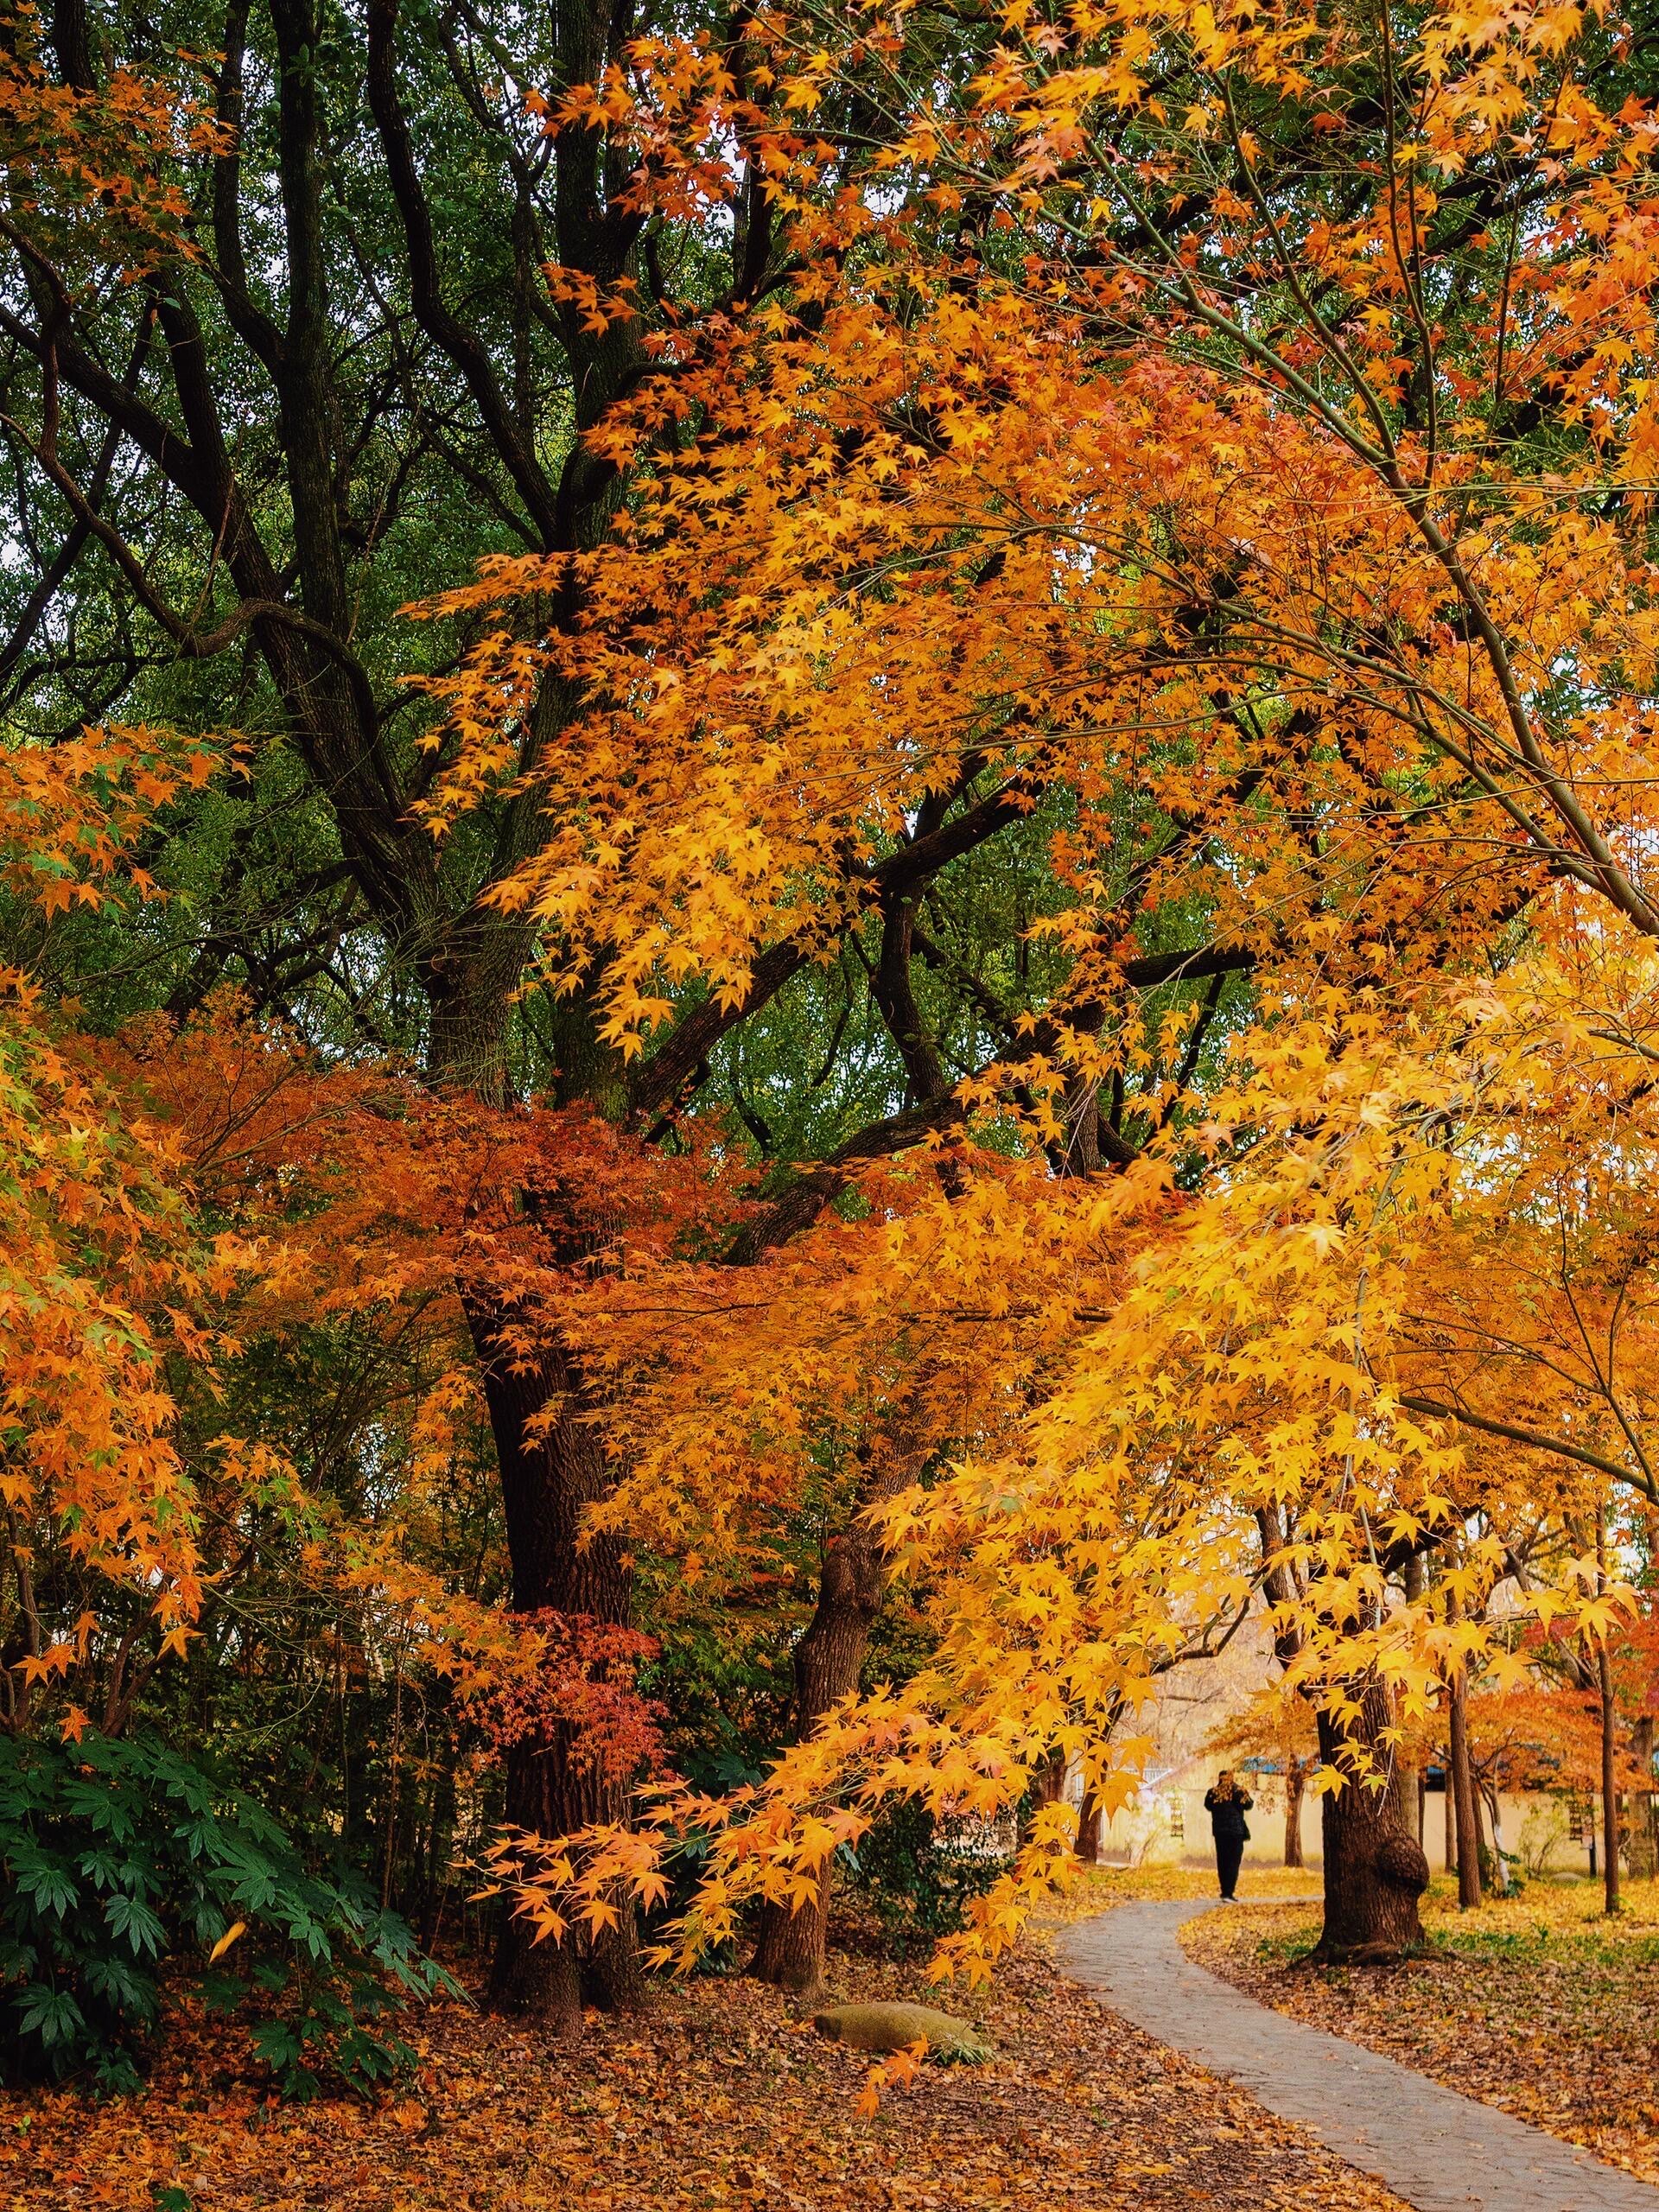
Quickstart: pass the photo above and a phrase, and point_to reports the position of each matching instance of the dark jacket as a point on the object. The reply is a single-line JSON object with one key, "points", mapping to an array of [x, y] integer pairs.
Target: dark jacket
{"points": [[1227, 1813]]}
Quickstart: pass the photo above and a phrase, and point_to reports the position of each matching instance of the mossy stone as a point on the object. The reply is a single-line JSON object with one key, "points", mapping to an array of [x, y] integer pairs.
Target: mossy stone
{"points": [[894, 2027]]}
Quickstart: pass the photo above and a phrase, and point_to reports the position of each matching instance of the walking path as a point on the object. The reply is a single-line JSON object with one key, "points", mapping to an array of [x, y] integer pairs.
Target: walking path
{"points": [[1441, 2152]]}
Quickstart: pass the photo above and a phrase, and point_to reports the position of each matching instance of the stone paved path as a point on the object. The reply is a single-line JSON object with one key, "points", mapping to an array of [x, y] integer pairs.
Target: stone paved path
{"points": [[1441, 2152]]}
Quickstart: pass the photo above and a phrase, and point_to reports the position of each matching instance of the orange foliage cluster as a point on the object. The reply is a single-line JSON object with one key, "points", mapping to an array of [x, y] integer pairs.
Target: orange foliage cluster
{"points": [[1342, 684], [171, 1193], [1085, 482], [99, 172]]}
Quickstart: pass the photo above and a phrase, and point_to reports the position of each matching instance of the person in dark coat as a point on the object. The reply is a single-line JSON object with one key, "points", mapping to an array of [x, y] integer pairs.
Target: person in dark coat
{"points": [[1227, 1805]]}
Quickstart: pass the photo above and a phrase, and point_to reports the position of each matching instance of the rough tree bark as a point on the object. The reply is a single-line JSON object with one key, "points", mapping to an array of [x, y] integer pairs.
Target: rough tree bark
{"points": [[828, 1658], [548, 1479], [1374, 1870]]}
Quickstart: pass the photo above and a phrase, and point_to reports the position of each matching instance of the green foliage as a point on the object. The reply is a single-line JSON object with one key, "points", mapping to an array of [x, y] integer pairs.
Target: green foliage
{"points": [[118, 1856], [916, 1882], [1512, 1868]]}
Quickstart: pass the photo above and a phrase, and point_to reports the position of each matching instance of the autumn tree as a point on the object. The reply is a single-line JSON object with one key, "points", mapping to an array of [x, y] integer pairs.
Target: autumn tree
{"points": [[330, 340], [1093, 571], [1087, 359]]}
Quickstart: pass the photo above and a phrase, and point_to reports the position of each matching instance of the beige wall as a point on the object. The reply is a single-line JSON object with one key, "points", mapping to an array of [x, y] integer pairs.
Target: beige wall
{"points": [[1168, 1825]]}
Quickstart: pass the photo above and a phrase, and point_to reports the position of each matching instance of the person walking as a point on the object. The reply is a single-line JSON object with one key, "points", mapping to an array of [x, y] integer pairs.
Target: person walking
{"points": [[1227, 1805]]}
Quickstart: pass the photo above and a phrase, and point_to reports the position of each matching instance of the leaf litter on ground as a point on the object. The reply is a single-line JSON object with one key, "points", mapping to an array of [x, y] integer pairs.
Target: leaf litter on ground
{"points": [[719, 2095]]}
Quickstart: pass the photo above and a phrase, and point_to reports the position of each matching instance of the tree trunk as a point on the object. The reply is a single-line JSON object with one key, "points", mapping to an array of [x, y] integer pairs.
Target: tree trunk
{"points": [[1415, 1577], [1460, 1781], [1639, 1844], [1088, 1829], [1494, 1817], [550, 1473], [790, 1952], [1295, 1787], [547, 1484], [1374, 1871], [1609, 1781], [1451, 1803], [1608, 1735]]}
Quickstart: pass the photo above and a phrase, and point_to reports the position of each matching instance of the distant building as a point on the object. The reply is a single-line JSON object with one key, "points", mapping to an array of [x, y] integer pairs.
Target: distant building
{"points": [[1166, 1823]]}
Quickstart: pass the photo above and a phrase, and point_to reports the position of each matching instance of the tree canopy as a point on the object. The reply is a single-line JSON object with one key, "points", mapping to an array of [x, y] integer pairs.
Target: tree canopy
{"points": [[829, 906]]}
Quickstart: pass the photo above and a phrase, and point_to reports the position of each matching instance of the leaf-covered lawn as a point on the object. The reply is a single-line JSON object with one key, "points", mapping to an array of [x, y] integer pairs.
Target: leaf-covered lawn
{"points": [[1106, 1886], [715, 2098], [1535, 2003]]}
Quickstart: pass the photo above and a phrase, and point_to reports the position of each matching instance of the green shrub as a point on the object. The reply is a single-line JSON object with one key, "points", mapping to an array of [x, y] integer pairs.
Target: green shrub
{"points": [[116, 1856], [917, 1881]]}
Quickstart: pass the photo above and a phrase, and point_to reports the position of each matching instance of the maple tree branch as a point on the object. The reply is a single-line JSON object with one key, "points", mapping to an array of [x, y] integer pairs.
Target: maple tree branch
{"points": [[1176, 281], [894, 994], [1534, 1440], [1313, 320], [815, 1187], [1589, 864], [997, 1017], [660, 1079]]}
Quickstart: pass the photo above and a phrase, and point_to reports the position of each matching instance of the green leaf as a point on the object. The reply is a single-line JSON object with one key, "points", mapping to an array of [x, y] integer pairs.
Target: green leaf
{"points": [[133, 1918], [50, 2014]]}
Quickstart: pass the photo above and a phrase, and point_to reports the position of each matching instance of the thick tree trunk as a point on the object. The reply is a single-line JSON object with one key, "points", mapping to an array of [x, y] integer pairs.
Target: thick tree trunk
{"points": [[547, 1481], [1375, 1870], [1296, 1788], [1460, 1783], [828, 1658], [551, 1472]]}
